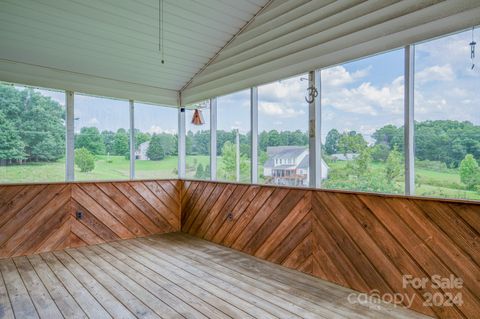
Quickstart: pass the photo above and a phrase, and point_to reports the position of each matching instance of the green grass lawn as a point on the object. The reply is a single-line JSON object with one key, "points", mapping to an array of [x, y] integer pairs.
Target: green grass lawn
{"points": [[192, 162], [106, 168], [33, 172], [432, 183]]}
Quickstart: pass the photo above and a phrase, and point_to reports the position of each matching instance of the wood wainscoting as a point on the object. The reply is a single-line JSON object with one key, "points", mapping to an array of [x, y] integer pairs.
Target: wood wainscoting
{"points": [[40, 218], [361, 241]]}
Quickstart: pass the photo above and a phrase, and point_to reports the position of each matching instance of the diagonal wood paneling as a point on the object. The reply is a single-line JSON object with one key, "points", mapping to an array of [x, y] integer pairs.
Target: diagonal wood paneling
{"points": [[40, 218], [123, 210], [267, 222], [361, 241], [33, 218]]}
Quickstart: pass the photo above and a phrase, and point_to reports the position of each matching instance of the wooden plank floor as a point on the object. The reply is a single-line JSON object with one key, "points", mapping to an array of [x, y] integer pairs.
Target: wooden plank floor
{"points": [[169, 276]]}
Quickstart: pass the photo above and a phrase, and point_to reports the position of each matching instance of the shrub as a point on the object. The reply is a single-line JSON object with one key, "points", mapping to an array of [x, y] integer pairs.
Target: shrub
{"points": [[380, 153], [85, 160], [469, 172]]}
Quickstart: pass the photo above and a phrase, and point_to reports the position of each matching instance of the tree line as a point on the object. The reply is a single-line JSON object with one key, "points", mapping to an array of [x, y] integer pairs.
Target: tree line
{"points": [[32, 129], [90, 142], [444, 141], [118, 143]]}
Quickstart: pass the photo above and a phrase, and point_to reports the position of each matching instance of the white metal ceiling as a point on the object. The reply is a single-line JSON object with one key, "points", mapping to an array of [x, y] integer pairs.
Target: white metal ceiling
{"points": [[117, 40], [296, 36]]}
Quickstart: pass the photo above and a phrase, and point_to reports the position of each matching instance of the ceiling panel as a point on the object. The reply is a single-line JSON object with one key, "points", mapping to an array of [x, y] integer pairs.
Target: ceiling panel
{"points": [[292, 37], [118, 40]]}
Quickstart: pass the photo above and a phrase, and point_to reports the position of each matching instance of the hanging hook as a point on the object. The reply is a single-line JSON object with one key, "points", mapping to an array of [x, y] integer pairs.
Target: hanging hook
{"points": [[472, 48], [312, 93]]}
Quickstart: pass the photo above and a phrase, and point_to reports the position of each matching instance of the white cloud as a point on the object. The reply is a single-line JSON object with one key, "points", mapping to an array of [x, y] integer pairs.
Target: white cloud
{"points": [[154, 129], [338, 75], [284, 99], [286, 91], [435, 73], [279, 110], [367, 98], [93, 121]]}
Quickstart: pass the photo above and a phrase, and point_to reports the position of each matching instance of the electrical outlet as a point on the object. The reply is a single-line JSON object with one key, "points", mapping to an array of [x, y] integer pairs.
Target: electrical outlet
{"points": [[79, 215]]}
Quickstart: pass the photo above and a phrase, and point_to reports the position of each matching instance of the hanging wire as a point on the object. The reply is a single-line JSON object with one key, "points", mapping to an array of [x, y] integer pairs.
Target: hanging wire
{"points": [[161, 29], [472, 48]]}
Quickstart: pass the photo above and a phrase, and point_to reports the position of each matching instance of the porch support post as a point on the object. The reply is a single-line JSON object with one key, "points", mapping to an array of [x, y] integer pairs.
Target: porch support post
{"points": [[254, 134], [132, 139], [213, 139], [314, 119], [181, 142], [409, 124], [70, 137]]}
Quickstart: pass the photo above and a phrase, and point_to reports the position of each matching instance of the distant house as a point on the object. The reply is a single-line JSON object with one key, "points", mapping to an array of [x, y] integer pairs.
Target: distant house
{"points": [[141, 151], [344, 157], [289, 165]]}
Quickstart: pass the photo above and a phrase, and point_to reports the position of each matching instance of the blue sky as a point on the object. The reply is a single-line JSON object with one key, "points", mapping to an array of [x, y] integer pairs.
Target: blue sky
{"points": [[363, 95]]}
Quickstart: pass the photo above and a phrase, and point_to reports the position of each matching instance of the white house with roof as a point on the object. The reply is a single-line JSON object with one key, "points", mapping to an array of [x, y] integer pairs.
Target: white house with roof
{"points": [[141, 151], [289, 165]]}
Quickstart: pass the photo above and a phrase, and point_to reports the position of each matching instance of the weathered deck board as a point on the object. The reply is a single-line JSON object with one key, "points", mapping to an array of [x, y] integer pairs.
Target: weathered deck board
{"points": [[366, 242], [169, 276]]}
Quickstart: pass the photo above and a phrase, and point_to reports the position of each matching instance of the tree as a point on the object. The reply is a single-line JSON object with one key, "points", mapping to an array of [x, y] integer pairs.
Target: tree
{"points": [[45, 150], [380, 152], [262, 157], [274, 138], [155, 151], [351, 142], [362, 162], [469, 172], [198, 143], [38, 121], [169, 143], [11, 145], [141, 138], [229, 161], [331, 142], [393, 166], [200, 172], [108, 137], [446, 141], [121, 143], [90, 139], [389, 135], [85, 160], [189, 143], [42, 126]]}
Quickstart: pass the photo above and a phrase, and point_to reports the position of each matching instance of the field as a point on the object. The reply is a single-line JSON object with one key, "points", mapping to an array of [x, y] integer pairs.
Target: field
{"points": [[431, 183], [106, 168]]}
